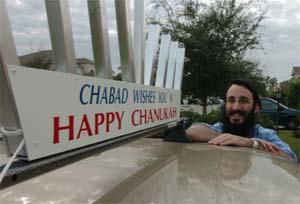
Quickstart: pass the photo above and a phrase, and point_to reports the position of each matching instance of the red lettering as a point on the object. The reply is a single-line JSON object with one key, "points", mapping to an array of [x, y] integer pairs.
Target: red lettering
{"points": [[150, 118], [57, 128], [174, 111], [85, 126], [143, 116], [119, 118], [99, 120], [166, 113], [132, 118], [110, 117], [157, 114]]}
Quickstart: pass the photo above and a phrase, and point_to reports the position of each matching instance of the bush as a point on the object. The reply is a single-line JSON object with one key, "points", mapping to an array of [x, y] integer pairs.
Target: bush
{"points": [[210, 118], [296, 134], [265, 121], [191, 116]]}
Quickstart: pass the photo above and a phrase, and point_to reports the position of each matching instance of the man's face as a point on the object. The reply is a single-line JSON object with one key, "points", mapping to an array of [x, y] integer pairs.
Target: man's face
{"points": [[239, 103]]}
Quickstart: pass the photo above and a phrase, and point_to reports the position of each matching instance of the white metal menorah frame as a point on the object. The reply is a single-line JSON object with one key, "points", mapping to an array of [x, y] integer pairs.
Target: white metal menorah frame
{"points": [[44, 112]]}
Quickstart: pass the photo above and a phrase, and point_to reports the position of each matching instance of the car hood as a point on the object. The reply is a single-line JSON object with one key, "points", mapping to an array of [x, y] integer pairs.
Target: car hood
{"points": [[153, 171]]}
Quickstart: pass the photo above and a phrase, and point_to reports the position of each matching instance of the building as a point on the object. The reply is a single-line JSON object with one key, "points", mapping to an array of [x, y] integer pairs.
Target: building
{"points": [[295, 72], [44, 60]]}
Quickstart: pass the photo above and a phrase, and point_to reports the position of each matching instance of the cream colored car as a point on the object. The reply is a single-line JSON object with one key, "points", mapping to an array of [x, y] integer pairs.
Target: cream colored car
{"points": [[153, 171]]}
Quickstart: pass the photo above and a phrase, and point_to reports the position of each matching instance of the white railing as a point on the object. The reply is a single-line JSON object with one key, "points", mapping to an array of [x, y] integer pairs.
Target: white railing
{"points": [[140, 63]]}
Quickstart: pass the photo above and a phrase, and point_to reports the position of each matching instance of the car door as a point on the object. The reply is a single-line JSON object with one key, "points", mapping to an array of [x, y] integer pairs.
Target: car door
{"points": [[269, 108]]}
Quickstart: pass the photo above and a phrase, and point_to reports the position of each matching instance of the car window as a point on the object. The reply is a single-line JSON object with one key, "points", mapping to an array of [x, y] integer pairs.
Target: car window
{"points": [[268, 105]]}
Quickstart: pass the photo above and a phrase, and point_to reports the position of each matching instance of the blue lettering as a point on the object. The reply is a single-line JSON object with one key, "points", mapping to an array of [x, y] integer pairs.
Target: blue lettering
{"points": [[97, 93], [124, 95], [104, 96], [81, 94], [136, 98], [112, 95], [118, 96], [143, 96], [93, 94]]}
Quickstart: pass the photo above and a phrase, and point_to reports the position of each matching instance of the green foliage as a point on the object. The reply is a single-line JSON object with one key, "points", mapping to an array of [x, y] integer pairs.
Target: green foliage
{"points": [[210, 118], [265, 121], [294, 142], [271, 86], [293, 93], [296, 134], [216, 37], [192, 116]]}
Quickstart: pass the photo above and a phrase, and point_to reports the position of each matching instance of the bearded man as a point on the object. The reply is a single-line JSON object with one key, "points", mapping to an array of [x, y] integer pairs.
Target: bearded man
{"points": [[238, 125]]}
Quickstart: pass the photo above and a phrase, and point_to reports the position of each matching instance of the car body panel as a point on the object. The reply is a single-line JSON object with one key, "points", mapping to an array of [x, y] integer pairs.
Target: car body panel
{"points": [[269, 108], [153, 171]]}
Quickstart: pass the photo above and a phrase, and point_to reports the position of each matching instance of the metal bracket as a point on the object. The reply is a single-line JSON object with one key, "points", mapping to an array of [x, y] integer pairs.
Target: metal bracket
{"points": [[11, 133]]}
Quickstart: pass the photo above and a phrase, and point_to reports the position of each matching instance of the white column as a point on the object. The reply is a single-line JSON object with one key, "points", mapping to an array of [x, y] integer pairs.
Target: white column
{"points": [[8, 55], [59, 21], [100, 39], [139, 40], [179, 67], [171, 65], [151, 52], [125, 40], [8, 111], [163, 60]]}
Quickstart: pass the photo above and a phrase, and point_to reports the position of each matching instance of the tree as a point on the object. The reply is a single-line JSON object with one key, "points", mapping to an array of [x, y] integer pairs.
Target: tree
{"points": [[271, 86], [292, 93], [217, 37]]}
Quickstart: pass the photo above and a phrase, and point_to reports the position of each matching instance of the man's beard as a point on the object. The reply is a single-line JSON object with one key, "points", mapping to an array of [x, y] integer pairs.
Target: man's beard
{"points": [[242, 129]]}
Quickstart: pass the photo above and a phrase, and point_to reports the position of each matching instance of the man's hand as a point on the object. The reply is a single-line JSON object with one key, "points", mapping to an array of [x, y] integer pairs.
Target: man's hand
{"points": [[272, 148], [229, 139], [267, 146]]}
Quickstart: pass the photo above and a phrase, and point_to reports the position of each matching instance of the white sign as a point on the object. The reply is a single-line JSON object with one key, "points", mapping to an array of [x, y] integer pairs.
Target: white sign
{"points": [[61, 111]]}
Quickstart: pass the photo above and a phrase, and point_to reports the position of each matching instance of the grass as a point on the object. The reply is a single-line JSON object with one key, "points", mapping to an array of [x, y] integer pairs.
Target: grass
{"points": [[289, 138]]}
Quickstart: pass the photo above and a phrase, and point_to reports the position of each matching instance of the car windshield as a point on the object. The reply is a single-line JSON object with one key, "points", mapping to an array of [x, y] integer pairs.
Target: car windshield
{"points": [[264, 101]]}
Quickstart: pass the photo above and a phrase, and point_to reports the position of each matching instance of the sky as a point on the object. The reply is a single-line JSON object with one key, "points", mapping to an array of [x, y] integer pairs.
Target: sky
{"points": [[280, 31]]}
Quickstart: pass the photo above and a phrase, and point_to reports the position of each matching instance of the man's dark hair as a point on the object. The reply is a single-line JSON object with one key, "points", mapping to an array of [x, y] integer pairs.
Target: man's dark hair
{"points": [[248, 85]]}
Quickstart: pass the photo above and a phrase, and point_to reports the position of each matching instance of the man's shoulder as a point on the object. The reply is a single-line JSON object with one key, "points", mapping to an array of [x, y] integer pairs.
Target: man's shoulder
{"points": [[264, 132], [219, 126], [262, 129]]}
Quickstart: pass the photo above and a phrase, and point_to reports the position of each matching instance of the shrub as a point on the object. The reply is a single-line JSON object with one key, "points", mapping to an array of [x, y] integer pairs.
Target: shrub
{"points": [[296, 133], [192, 117], [265, 121], [211, 117]]}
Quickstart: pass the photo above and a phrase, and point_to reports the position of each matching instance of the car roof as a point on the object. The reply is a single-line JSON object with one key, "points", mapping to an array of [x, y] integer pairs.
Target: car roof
{"points": [[152, 171], [270, 99]]}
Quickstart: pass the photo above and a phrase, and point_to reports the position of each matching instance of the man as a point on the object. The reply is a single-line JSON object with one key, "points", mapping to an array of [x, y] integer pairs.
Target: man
{"points": [[238, 124]]}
